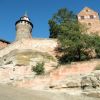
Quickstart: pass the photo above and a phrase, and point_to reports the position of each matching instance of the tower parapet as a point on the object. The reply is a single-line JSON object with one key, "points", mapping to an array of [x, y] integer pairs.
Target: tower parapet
{"points": [[23, 28]]}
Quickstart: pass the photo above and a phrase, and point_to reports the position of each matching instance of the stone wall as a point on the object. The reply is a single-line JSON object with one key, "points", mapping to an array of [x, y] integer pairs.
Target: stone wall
{"points": [[23, 30], [42, 45], [90, 19]]}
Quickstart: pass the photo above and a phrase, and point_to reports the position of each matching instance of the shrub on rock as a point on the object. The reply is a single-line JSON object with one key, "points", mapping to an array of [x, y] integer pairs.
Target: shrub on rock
{"points": [[39, 68]]}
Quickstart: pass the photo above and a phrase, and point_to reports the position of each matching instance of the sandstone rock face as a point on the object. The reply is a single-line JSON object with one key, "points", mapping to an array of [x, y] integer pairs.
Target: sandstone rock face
{"points": [[18, 64], [91, 81], [76, 84], [26, 57], [91, 84], [17, 60]]}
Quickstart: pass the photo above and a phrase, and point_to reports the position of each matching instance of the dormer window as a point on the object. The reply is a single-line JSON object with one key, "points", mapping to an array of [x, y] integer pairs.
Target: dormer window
{"points": [[91, 17], [82, 17]]}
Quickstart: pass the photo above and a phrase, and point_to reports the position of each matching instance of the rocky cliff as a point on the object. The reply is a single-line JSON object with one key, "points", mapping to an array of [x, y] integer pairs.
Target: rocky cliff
{"points": [[17, 60]]}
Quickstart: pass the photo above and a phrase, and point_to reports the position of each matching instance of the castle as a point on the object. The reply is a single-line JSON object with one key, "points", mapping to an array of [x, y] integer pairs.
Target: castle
{"points": [[90, 18], [18, 58], [24, 26]]}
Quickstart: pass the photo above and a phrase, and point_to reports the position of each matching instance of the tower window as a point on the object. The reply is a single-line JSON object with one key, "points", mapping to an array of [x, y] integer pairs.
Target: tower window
{"points": [[82, 17], [91, 16]]}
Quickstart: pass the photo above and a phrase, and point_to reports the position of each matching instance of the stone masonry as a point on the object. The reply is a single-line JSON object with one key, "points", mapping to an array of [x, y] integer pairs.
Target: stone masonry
{"points": [[90, 18], [23, 28]]}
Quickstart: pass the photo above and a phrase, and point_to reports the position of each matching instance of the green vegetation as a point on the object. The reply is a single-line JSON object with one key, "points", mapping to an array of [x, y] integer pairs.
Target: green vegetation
{"points": [[75, 43], [39, 68], [58, 19], [97, 67], [96, 43]]}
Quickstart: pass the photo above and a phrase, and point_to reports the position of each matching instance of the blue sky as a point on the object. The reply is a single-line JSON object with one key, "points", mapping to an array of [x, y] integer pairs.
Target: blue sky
{"points": [[39, 11]]}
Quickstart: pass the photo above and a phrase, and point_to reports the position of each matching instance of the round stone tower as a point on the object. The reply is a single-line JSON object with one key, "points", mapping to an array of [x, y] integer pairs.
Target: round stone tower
{"points": [[23, 28]]}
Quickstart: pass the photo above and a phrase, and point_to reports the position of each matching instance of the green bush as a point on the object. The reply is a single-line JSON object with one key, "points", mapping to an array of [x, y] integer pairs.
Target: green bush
{"points": [[97, 67], [68, 58], [39, 68]]}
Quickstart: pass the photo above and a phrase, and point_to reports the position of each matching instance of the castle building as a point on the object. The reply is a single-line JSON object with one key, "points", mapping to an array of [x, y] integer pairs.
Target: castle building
{"points": [[23, 28], [90, 18]]}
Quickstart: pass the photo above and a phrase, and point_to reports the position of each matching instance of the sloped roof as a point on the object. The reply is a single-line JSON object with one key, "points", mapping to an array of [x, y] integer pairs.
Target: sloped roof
{"points": [[5, 41], [87, 8]]}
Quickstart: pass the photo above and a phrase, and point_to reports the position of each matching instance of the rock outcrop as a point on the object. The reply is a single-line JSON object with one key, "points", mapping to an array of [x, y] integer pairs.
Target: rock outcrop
{"points": [[91, 81], [87, 84], [17, 60], [26, 57], [91, 84], [18, 64]]}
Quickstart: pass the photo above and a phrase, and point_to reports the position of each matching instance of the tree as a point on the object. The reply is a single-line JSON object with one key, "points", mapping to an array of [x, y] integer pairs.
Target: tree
{"points": [[71, 35], [62, 16], [74, 43], [96, 43], [54, 28]]}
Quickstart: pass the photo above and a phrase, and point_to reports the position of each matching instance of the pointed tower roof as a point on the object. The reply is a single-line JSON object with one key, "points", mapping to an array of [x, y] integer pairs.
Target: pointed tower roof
{"points": [[26, 14], [25, 17]]}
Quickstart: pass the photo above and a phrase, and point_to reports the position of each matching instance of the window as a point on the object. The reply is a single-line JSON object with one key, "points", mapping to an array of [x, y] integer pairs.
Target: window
{"points": [[87, 10], [91, 16], [82, 17]]}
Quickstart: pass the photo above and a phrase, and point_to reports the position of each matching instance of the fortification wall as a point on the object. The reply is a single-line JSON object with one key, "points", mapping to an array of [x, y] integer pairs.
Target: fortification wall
{"points": [[42, 45]]}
